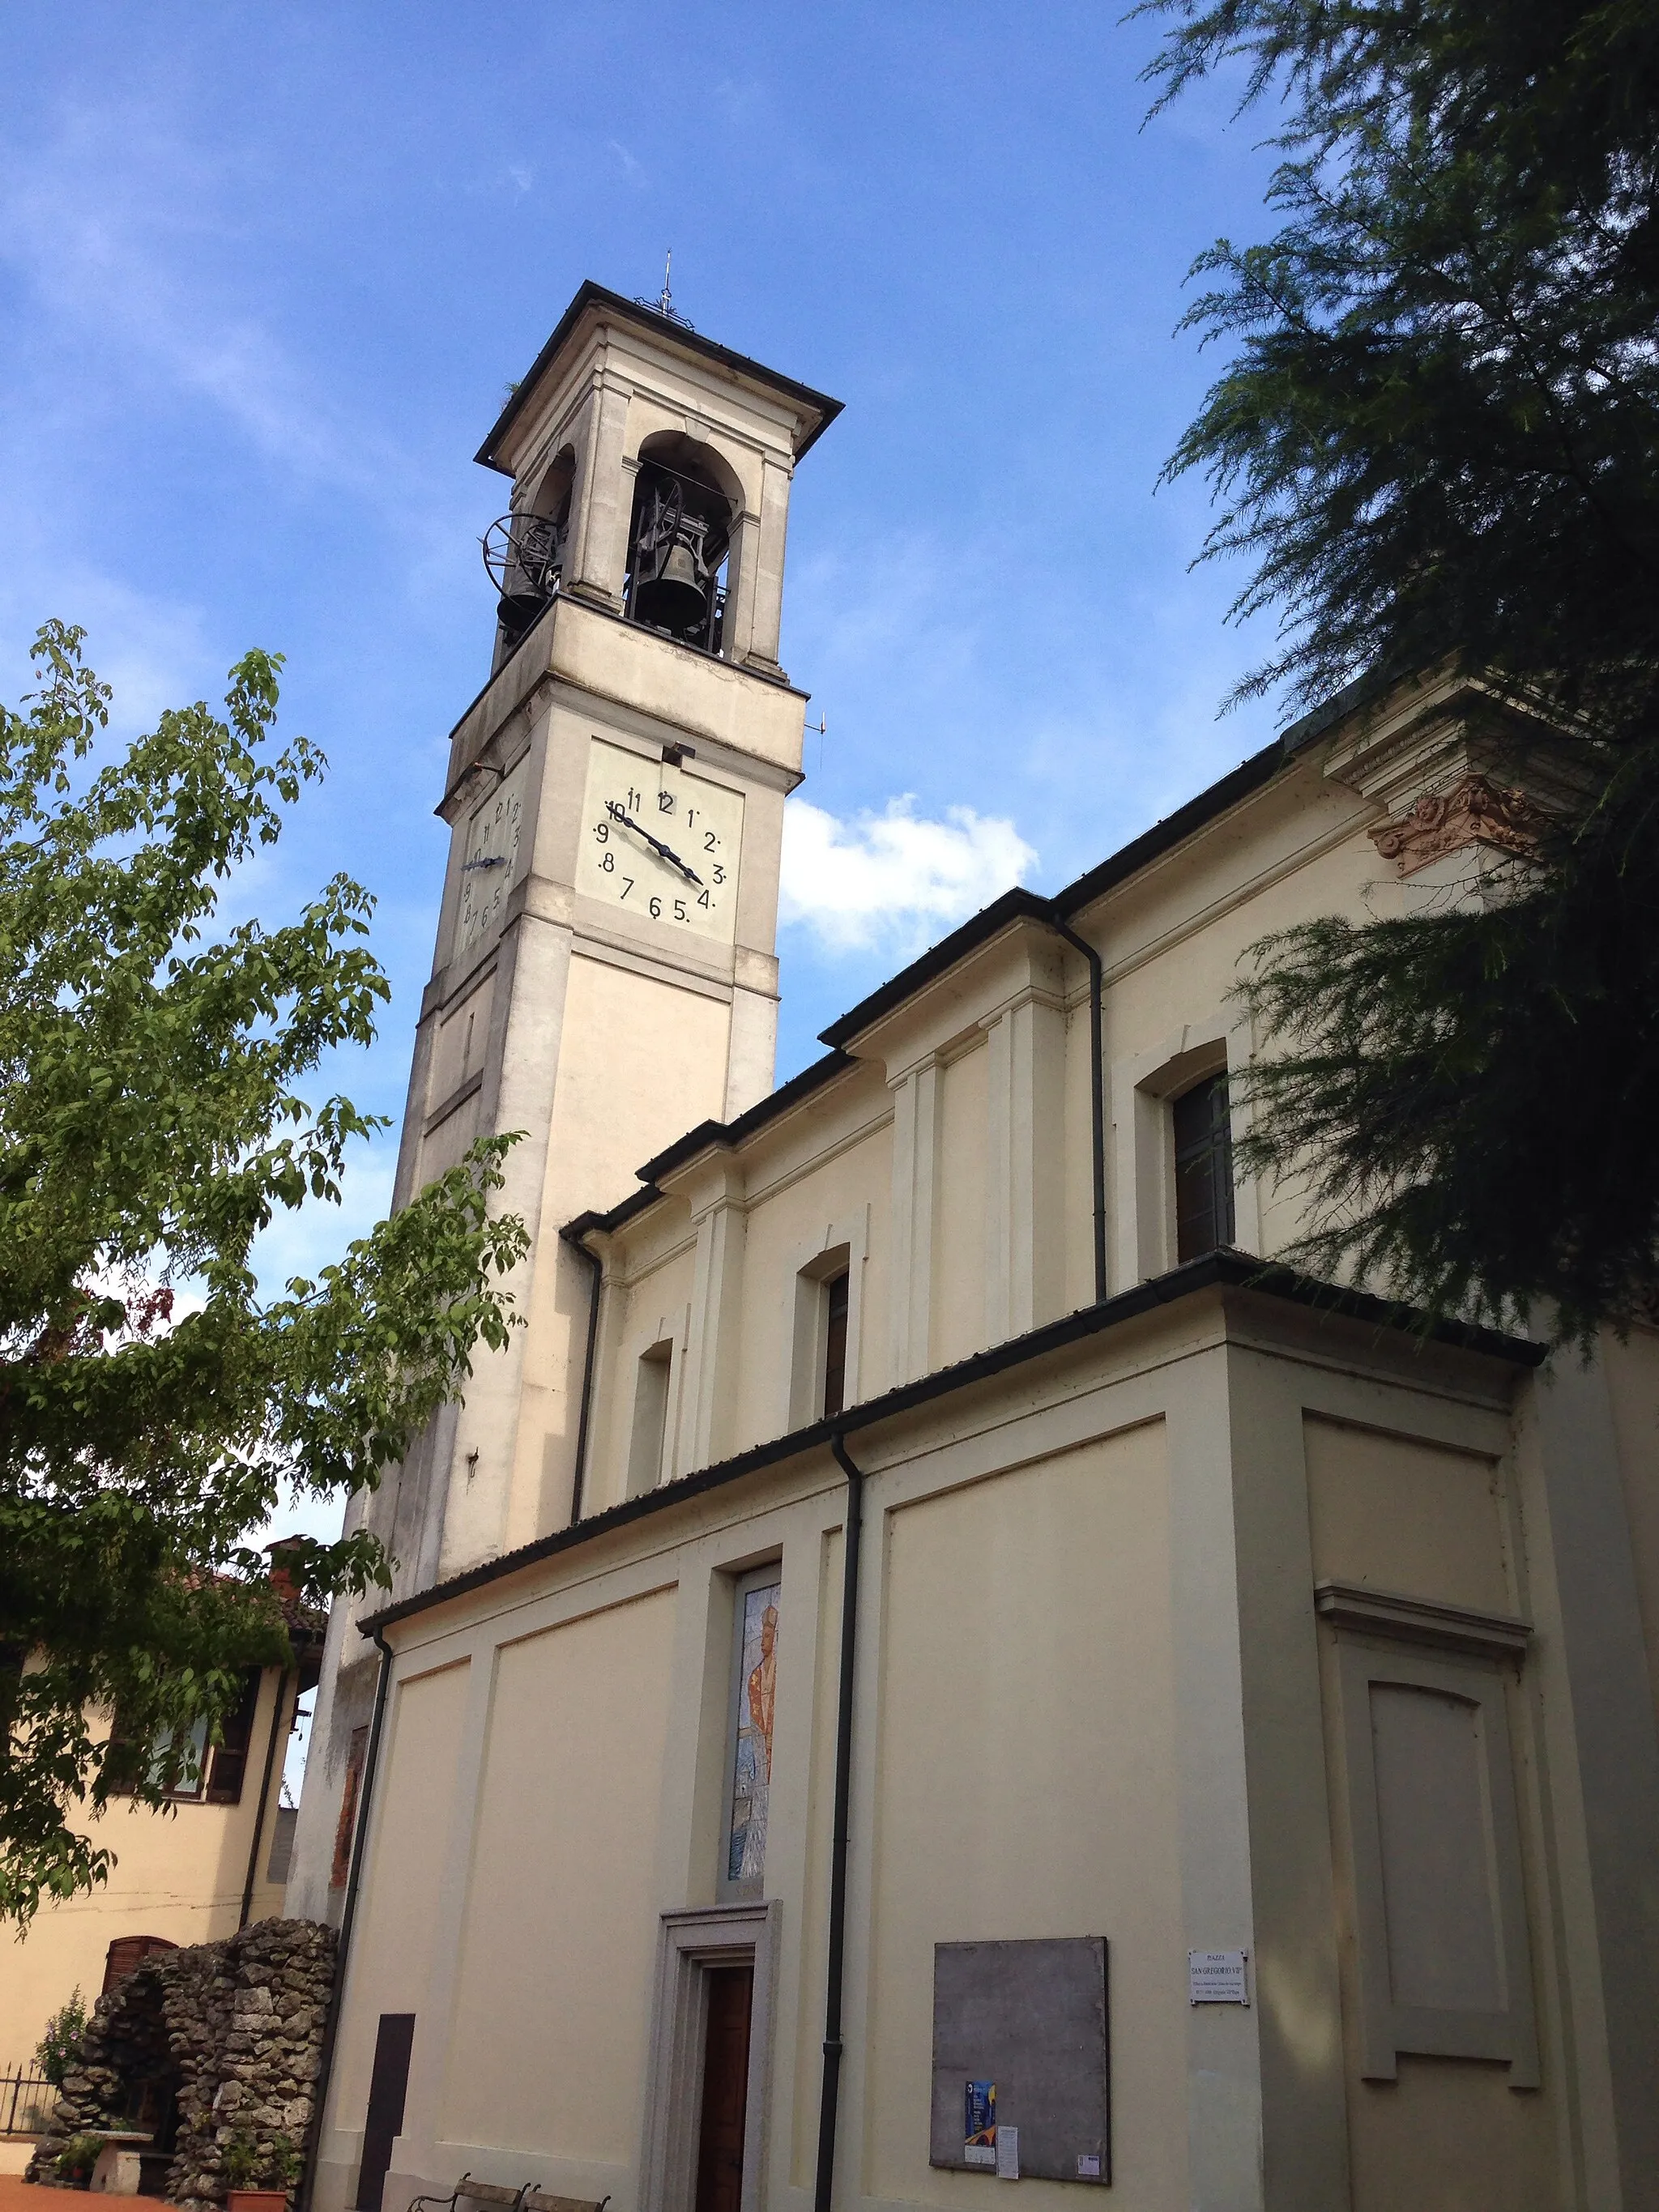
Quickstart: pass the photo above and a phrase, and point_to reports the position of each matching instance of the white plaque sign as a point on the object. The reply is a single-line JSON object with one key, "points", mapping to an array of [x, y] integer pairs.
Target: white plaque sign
{"points": [[1007, 2154], [1217, 1978]]}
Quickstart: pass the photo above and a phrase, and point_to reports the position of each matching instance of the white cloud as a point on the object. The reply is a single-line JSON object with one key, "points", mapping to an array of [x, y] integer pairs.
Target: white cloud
{"points": [[893, 879]]}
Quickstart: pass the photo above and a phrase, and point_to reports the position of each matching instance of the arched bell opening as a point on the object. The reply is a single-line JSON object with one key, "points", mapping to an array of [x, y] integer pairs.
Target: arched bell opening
{"points": [[679, 541], [525, 550]]}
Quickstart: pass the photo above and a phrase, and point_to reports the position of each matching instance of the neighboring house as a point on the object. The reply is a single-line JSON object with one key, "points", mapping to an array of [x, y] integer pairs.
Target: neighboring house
{"points": [[924, 1658], [215, 1859]]}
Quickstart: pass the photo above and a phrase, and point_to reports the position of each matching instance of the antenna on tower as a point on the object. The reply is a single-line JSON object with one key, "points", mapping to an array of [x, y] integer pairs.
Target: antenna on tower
{"points": [[664, 304]]}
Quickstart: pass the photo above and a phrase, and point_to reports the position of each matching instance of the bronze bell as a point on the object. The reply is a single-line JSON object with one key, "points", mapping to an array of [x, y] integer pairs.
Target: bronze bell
{"points": [[675, 597], [672, 591]]}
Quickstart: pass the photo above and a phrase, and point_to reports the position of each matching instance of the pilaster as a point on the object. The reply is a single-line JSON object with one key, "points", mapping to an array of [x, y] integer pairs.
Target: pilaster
{"points": [[714, 1188], [598, 548], [918, 1099], [1225, 2116], [740, 597], [767, 615], [1602, 1756], [1025, 1243]]}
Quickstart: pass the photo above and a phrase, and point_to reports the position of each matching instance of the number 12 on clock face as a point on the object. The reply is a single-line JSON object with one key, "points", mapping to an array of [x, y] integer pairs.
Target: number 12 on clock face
{"points": [[660, 841]]}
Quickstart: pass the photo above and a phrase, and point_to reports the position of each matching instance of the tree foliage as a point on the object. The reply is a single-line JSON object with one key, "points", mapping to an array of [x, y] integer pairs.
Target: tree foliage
{"points": [[156, 1405], [1436, 441]]}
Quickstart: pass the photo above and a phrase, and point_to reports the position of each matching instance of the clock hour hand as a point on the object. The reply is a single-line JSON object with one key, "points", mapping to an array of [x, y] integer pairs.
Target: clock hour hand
{"points": [[619, 813]]}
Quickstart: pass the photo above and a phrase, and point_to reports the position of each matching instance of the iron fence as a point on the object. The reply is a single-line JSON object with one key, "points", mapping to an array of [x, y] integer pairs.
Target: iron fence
{"points": [[26, 2101]]}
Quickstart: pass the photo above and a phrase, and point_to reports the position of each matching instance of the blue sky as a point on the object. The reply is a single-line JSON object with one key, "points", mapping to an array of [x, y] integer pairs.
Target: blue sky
{"points": [[265, 272]]}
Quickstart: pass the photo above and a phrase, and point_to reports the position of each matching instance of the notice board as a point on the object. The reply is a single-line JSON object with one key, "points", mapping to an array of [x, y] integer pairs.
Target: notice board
{"points": [[1021, 2041]]}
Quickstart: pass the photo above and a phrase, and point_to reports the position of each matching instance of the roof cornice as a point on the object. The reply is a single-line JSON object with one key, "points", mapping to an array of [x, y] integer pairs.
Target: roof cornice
{"points": [[1224, 1269]]}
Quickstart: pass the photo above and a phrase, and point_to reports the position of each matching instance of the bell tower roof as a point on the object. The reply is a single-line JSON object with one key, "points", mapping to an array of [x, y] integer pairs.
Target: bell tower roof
{"points": [[595, 306]]}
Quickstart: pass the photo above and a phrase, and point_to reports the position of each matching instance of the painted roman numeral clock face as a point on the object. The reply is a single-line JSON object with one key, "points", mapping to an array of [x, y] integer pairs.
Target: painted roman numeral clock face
{"points": [[489, 862], [660, 841]]}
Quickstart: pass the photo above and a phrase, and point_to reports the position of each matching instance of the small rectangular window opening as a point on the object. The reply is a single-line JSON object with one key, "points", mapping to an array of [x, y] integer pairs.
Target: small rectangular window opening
{"points": [[835, 1344], [1203, 1168], [649, 1435]]}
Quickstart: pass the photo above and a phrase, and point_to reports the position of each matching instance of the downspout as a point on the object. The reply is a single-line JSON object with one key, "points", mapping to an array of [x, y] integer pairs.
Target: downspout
{"points": [[596, 1267], [1096, 1093], [830, 2100], [308, 2188], [264, 1800]]}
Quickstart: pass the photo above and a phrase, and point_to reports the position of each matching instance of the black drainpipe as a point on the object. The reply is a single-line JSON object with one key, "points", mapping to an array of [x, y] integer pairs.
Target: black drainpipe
{"points": [[596, 1269], [1096, 1094], [851, 1547], [264, 1800], [307, 2189]]}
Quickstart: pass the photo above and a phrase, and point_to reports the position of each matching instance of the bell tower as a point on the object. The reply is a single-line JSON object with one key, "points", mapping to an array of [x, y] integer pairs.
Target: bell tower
{"points": [[604, 974]]}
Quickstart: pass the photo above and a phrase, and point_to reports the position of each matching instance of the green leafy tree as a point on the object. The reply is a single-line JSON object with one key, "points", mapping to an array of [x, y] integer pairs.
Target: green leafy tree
{"points": [[150, 1129], [1435, 441]]}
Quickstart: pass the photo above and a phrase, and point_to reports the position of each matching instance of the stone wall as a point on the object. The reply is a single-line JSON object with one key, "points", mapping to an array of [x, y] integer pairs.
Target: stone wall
{"points": [[237, 2027]]}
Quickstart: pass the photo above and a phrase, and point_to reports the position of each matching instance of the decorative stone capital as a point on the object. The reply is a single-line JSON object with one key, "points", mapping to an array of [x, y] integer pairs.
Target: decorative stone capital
{"points": [[1474, 811]]}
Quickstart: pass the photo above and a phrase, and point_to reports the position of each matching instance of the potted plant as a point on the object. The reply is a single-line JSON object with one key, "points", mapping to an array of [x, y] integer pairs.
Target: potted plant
{"points": [[258, 2179], [77, 2158]]}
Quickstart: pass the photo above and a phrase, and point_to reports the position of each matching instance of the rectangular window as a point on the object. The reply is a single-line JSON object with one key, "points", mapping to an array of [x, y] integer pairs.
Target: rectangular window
{"points": [[649, 1434], [753, 1695], [179, 1757], [835, 1344], [1203, 1168], [227, 1766], [823, 1355]]}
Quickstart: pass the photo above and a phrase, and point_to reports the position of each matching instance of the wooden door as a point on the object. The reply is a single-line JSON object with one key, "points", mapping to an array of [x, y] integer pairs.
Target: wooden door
{"points": [[724, 2088]]}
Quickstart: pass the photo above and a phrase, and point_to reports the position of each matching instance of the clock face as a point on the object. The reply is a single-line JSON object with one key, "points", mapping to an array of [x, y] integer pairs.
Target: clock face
{"points": [[491, 862], [660, 841]]}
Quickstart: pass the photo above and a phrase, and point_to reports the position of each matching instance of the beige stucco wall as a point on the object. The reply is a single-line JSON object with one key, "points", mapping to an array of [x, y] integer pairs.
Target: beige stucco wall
{"points": [[1028, 1715], [178, 1874], [545, 2042], [1407, 1516], [392, 1965]]}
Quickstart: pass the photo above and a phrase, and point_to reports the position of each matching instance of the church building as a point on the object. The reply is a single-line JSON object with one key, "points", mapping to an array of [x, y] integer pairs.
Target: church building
{"points": [[931, 1663]]}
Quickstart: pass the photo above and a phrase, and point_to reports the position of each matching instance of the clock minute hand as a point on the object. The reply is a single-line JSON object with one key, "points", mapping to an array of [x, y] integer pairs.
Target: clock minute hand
{"points": [[619, 813]]}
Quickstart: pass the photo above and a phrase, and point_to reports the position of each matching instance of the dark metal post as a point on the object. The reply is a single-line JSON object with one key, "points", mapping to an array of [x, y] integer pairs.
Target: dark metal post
{"points": [[824, 2187], [596, 1284]]}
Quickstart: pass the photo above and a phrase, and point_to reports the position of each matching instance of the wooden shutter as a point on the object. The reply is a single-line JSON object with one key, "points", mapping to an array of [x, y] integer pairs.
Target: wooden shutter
{"points": [[228, 1763], [128, 1953], [834, 1345]]}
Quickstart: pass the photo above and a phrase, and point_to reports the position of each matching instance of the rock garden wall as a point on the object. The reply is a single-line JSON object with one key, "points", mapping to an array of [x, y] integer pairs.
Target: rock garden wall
{"points": [[201, 2045]]}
